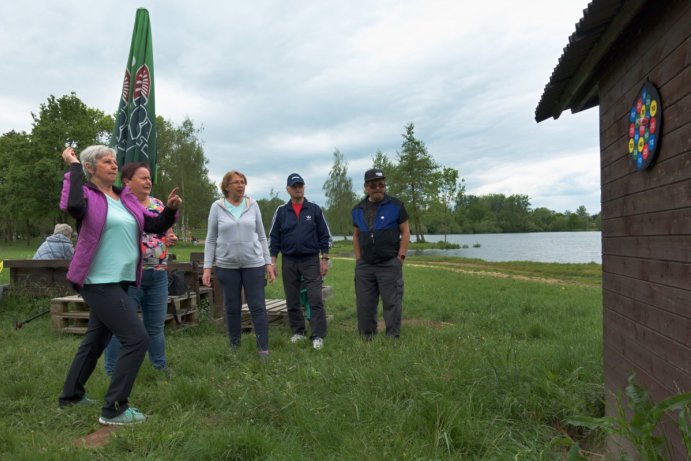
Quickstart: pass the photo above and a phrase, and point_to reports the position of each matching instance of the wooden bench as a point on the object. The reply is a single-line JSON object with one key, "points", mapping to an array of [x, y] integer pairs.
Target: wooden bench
{"points": [[47, 278], [41, 278], [70, 314]]}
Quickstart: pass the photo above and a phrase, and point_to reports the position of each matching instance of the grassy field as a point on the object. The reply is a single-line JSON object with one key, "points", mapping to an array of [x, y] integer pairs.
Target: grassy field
{"points": [[493, 358]]}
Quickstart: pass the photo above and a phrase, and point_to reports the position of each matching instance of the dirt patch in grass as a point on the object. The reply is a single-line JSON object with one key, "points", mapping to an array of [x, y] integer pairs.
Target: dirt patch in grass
{"points": [[96, 439], [414, 322], [451, 267]]}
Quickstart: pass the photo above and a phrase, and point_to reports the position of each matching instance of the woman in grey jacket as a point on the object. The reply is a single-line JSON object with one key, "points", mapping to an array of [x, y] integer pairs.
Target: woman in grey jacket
{"points": [[237, 248]]}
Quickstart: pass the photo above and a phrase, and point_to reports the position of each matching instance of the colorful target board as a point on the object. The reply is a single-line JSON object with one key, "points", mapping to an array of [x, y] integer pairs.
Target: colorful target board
{"points": [[645, 126]]}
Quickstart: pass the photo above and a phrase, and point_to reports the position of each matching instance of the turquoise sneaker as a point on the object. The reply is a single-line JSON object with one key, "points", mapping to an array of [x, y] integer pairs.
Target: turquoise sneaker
{"points": [[86, 401], [127, 417]]}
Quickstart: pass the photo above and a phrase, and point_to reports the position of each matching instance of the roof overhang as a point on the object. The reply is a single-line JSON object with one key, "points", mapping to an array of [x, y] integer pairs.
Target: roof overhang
{"points": [[574, 81]]}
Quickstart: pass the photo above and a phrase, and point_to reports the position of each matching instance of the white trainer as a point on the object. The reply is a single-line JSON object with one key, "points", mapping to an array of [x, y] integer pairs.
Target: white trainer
{"points": [[317, 343], [296, 338]]}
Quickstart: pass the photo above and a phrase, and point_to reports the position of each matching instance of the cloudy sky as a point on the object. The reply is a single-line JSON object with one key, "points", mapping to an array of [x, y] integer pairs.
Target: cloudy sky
{"points": [[278, 85]]}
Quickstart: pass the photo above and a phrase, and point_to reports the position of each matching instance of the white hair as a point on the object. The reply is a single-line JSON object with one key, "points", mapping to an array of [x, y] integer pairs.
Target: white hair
{"points": [[63, 229], [92, 154]]}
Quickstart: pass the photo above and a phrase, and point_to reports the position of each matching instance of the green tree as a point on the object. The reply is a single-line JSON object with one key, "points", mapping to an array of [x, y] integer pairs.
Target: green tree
{"points": [[449, 191], [36, 160], [340, 197], [480, 213], [574, 221], [560, 222], [542, 218], [418, 176], [268, 208], [15, 180], [182, 164], [583, 218], [514, 215]]}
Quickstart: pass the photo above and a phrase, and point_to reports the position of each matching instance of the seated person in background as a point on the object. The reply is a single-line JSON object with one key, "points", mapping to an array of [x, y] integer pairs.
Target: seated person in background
{"points": [[58, 245]]}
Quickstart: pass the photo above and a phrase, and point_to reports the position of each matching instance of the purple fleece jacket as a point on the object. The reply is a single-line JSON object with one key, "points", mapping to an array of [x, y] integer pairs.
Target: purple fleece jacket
{"points": [[89, 207]]}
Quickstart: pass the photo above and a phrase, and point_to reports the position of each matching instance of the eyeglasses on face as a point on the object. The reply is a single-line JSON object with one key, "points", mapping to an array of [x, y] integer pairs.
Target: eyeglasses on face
{"points": [[376, 185]]}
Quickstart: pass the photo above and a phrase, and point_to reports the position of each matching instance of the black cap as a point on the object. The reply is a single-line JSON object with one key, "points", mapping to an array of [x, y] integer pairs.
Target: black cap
{"points": [[374, 173], [294, 178]]}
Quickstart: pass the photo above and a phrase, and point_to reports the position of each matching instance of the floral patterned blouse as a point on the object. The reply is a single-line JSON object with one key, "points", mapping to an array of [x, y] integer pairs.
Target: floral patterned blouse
{"points": [[154, 247]]}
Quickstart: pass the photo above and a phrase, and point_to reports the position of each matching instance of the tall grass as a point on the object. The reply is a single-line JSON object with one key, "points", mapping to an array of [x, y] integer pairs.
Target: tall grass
{"points": [[487, 368]]}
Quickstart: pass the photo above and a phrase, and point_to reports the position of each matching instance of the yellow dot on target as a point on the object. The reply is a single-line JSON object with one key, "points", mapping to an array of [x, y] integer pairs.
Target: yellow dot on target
{"points": [[631, 145], [653, 108]]}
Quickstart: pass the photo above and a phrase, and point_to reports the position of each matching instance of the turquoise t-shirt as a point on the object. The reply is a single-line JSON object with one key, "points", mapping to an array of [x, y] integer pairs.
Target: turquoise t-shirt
{"points": [[236, 210], [118, 252]]}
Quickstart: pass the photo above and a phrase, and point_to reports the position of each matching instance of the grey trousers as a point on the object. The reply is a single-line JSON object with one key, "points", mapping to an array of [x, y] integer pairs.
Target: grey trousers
{"points": [[372, 281], [111, 312], [291, 271]]}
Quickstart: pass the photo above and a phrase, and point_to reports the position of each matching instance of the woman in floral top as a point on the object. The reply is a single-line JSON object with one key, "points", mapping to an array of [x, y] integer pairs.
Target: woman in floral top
{"points": [[152, 295]]}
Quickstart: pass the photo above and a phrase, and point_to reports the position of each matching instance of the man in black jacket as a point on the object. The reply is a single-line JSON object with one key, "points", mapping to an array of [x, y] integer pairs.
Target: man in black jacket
{"points": [[299, 231], [380, 241]]}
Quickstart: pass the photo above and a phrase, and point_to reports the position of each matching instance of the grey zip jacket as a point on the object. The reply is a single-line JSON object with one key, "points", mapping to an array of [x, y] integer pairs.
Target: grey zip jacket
{"points": [[233, 243]]}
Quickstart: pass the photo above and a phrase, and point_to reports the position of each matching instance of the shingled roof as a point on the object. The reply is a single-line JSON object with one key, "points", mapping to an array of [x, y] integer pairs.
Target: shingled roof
{"points": [[573, 84]]}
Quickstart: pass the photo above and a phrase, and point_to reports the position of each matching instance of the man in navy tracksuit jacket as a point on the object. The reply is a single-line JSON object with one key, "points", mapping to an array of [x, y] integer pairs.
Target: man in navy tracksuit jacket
{"points": [[380, 241], [299, 231]]}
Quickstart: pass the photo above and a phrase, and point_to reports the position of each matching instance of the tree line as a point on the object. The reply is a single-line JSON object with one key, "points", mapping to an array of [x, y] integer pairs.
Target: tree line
{"points": [[31, 179], [437, 202]]}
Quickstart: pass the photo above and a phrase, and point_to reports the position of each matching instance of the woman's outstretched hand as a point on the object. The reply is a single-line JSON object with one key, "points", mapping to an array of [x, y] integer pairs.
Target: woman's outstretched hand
{"points": [[174, 200]]}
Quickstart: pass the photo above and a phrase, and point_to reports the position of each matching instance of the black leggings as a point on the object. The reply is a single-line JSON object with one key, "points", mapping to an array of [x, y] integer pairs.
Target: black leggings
{"points": [[109, 315]]}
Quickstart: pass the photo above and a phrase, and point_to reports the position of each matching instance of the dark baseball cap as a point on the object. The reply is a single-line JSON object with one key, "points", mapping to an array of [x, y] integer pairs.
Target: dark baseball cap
{"points": [[374, 173], [294, 178]]}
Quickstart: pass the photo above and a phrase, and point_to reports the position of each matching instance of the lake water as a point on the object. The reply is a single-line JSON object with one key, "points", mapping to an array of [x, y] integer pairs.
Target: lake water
{"points": [[560, 247]]}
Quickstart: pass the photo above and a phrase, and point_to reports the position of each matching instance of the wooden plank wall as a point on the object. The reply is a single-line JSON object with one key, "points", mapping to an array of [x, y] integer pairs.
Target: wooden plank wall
{"points": [[646, 216]]}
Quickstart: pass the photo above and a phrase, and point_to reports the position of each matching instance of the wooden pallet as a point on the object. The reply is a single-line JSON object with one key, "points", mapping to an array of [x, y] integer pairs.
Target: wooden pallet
{"points": [[185, 308], [206, 293], [70, 314], [276, 311]]}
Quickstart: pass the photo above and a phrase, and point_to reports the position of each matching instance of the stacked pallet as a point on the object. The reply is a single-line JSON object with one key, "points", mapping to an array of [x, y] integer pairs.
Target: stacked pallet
{"points": [[205, 293], [70, 314], [277, 311], [182, 311]]}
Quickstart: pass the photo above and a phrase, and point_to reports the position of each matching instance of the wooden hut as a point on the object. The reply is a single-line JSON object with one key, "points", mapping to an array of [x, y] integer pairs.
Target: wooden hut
{"points": [[621, 48]]}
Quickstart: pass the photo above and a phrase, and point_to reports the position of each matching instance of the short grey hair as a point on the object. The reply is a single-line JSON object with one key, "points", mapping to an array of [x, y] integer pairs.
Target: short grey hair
{"points": [[63, 229], [92, 154]]}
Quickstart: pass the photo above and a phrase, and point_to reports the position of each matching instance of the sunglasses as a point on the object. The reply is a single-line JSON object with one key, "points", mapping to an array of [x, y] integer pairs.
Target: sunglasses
{"points": [[378, 185]]}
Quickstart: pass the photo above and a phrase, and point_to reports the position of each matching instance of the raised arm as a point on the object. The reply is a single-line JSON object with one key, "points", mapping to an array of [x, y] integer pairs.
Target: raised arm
{"points": [[72, 196]]}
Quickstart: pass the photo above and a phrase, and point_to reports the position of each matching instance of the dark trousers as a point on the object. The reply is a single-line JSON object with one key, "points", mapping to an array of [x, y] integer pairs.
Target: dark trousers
{"points": [[252, 280], [296, 272], [111, 312], [372, 281]]}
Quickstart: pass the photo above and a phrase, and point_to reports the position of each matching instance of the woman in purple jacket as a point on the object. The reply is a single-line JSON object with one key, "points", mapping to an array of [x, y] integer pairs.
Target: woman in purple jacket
{"points": [[107, 259]]}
